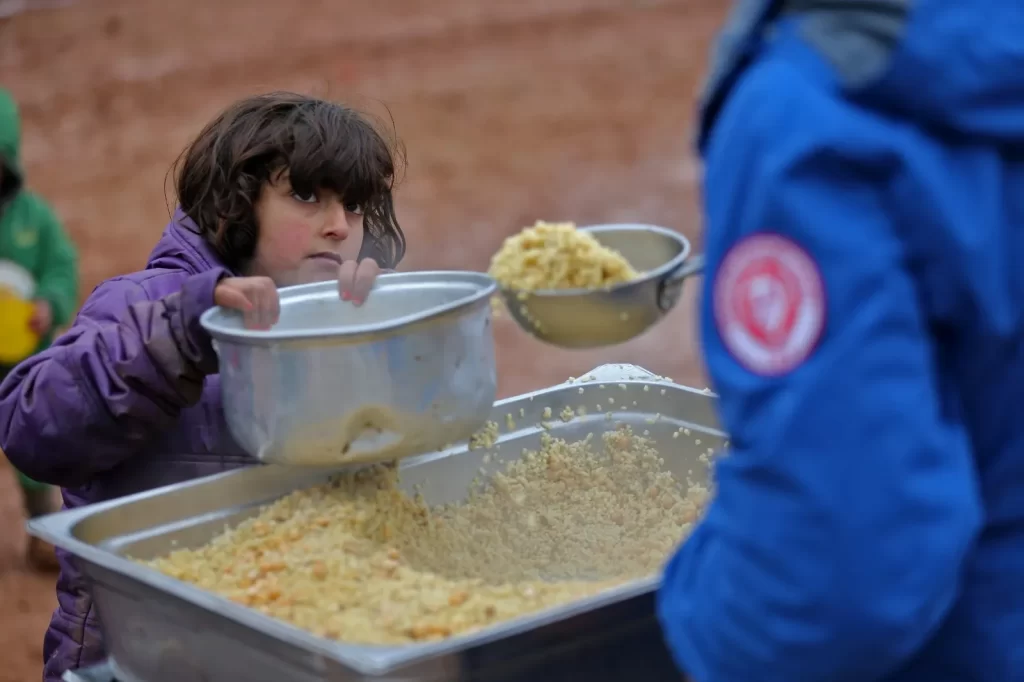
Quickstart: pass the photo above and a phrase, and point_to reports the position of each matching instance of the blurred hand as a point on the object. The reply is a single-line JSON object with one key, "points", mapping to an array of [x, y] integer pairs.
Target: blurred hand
{"points": [[255, 297], [356, 278], [42, 317]]}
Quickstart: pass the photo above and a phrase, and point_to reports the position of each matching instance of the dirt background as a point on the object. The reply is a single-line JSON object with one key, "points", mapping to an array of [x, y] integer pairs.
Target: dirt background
{"points": [[510, 112]]}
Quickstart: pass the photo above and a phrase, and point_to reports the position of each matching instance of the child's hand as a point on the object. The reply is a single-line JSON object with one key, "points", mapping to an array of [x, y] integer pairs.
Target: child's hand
{"points": [[42, 317], [356, 279], [255, 297]]}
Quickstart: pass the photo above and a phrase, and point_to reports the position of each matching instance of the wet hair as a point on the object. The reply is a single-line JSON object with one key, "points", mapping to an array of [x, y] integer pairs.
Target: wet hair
{"points": [[320, 144]]}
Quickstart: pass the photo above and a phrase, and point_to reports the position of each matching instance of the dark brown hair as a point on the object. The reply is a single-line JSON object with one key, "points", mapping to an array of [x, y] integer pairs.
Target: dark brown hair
{"points": [[322, 146]]}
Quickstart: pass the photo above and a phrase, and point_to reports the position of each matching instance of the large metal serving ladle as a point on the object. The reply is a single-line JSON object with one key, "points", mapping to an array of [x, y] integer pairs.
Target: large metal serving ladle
{"points": [[590, 318]]}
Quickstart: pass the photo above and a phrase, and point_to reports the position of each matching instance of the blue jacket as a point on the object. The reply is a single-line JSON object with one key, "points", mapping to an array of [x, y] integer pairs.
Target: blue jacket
{"points": [[863, 323]]}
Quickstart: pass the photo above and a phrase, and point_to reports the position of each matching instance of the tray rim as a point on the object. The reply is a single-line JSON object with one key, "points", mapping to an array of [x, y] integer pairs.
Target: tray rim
{"points": [[58, 528]]}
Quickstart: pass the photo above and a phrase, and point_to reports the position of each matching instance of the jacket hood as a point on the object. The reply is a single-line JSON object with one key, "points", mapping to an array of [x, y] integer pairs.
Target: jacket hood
{"points": [[952, 66], [10, 146], [965, 61], [182, 248]]}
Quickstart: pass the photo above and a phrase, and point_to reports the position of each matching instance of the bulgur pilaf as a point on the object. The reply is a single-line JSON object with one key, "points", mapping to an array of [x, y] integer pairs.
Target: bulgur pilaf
{"points": [[557, 256], [361, 561]]}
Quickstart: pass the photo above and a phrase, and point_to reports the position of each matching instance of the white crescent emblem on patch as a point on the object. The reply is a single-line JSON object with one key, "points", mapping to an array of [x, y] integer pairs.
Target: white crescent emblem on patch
{"points": [[769, 303]]}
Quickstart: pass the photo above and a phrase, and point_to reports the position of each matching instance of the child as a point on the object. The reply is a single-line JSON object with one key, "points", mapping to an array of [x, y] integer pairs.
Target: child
{"points": [[32, 238], [863, 324], [278, 190]]}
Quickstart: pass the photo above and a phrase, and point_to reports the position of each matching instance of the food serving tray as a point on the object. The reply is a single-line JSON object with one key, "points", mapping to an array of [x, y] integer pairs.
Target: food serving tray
{"points": [[160, 629]]}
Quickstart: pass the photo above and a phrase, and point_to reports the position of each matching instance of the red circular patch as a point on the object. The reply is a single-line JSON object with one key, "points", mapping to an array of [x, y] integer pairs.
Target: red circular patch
{"points": [[769, 303]]}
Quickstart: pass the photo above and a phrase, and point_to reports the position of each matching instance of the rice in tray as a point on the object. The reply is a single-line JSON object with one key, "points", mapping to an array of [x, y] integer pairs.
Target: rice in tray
{"points": [[361, 561]]}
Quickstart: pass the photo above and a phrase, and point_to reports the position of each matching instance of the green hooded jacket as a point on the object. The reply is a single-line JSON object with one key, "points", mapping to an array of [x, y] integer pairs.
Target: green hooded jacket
{"points": [[31, 235]]}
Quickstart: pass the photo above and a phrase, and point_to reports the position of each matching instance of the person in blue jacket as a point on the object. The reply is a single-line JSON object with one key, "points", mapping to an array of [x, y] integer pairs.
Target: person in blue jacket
{"points": [[863, 324]]}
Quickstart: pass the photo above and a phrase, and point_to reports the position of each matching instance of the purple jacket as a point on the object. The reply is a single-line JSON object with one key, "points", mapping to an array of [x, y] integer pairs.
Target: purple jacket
{"points": [[126, 400]]}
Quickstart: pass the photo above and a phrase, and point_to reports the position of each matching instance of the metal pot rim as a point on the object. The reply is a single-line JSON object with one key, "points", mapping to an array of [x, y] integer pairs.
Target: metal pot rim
{"points": [[485, 288]]}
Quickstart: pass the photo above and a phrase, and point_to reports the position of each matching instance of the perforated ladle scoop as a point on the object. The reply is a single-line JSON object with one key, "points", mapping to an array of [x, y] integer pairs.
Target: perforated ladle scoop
{"points": [[590, 318]]}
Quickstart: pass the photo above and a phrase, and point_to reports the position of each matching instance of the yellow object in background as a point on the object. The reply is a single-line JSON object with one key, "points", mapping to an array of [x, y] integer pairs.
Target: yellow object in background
{"points": [[17, 340]]}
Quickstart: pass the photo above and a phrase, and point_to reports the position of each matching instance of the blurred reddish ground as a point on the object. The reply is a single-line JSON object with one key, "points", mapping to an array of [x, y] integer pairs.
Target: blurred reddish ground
{"points": [[510, 112]]}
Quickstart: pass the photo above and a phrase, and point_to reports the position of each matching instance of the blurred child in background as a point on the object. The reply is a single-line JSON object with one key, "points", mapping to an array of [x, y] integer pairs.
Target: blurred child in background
{"points": [[34, 245]]}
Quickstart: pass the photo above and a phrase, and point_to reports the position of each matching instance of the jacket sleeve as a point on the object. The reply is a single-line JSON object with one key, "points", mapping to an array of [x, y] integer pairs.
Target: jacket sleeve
{"points": [[118, 377], [57, 276], [847, 504]]}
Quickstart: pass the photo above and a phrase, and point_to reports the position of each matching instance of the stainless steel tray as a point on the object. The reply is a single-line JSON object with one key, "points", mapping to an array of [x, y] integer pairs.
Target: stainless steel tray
{"points": [[159, 629]]}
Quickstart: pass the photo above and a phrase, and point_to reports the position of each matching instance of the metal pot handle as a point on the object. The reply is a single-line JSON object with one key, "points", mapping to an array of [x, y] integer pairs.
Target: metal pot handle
{"points": [[672, 285]]}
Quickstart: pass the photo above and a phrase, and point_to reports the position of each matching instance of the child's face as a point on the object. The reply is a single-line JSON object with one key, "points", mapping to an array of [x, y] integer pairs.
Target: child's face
{"points": [[303, 239]]}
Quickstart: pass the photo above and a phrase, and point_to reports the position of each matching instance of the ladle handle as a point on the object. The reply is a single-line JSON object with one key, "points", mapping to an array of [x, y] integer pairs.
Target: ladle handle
{"points": [[672, 285]]}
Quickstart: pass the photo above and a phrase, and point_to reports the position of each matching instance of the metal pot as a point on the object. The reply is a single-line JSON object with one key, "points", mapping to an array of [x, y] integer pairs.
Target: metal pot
{"points": [[410, 371]]}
